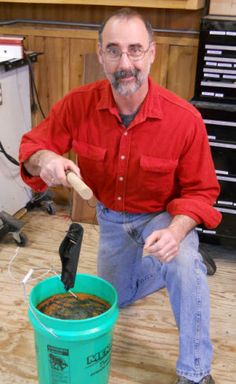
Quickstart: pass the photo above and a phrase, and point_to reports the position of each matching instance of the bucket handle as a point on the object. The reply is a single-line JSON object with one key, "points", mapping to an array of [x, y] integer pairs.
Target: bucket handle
{"points": [[24, 282], [49, 330]]}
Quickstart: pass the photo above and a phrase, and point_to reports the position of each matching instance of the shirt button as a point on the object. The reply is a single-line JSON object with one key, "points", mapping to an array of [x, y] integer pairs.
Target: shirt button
{"points": [[119, 198], [122, 157], [121, 178], [126, 133]]}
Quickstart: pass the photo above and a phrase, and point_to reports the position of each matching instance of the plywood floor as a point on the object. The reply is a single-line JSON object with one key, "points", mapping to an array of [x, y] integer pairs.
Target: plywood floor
{"points": [[145, 342]]}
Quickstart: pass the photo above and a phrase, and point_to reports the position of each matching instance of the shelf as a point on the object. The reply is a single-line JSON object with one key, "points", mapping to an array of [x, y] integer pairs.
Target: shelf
{"points": [[168, 4]]}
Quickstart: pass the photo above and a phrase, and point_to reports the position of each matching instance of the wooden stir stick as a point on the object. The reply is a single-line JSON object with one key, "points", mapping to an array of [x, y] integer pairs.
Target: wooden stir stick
{"points": [[79, 186]]}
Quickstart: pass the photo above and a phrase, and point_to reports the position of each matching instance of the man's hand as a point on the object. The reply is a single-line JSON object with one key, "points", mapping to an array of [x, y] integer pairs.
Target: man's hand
{"points": [[50, 167], [164, 243]]}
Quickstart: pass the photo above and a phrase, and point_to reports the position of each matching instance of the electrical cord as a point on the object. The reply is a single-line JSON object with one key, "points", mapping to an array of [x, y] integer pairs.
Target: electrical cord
{"points": [[33, 101], [9, 157], [34, 91]]}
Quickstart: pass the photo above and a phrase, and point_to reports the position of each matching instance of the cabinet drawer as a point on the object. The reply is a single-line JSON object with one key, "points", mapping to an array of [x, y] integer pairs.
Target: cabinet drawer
{"points": [[218, 30], [220, 124], [215, 91], [227, 227], [224, 155], [227, 195], [221, 130], [216, 68]]}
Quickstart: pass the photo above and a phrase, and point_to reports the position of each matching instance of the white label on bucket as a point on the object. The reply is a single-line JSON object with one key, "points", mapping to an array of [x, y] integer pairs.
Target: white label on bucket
{"points": [[58, 359], [98, 361]]}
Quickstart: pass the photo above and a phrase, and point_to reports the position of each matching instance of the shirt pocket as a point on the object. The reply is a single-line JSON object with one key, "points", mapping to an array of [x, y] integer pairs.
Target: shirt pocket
{"points": [[90, 160], [158, 174], [88, 151]]}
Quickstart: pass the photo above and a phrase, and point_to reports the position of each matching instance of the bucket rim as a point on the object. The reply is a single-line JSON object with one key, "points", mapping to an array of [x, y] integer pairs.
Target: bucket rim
{"points": [[74, 321]]}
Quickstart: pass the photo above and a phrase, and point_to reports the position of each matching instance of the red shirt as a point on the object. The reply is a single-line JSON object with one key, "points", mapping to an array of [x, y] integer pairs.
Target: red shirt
{"points": [[162, 161]]}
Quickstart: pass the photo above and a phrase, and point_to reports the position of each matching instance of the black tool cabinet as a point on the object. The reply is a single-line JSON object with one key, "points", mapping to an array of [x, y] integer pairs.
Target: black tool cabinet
{"points": [[215, 98]]}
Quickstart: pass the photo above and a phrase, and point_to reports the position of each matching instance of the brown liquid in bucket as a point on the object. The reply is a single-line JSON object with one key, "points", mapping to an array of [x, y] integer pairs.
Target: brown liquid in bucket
{"points": [[67, 307]]}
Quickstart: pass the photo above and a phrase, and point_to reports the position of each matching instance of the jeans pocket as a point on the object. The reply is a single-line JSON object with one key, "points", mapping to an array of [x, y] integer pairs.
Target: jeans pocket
{"points": [[101, 210]]}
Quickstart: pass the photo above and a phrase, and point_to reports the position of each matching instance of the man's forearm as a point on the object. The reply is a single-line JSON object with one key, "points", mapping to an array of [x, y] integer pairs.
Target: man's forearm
{"points": [[33, 164], [181, 225], [51, 167]]}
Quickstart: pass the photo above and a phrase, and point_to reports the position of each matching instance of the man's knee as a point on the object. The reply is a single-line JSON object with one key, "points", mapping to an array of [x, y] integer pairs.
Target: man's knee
{"points": [[188, 258]]}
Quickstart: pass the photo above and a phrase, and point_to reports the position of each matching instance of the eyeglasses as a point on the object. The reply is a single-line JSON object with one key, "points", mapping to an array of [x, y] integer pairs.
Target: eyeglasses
{"points": [[134, 52]]}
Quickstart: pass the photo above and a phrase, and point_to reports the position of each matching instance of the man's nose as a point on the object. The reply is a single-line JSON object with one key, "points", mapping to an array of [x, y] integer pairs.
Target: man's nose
{"points": [[125, 61]]}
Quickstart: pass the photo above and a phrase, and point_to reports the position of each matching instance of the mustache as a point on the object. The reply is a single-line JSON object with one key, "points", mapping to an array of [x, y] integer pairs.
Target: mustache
{"points": [[122, 74]]}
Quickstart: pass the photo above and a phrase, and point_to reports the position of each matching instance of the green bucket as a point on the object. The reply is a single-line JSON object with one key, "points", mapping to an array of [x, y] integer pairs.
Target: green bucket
{"points": [[73, 351]]}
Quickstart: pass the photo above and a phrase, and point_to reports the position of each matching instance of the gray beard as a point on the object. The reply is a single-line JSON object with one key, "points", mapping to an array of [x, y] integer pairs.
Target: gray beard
{"points": [[126, 89]]}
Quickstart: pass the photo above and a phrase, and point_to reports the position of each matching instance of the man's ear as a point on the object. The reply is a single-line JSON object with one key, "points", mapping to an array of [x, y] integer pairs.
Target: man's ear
{"points": [[153, 51], [99, 53]]}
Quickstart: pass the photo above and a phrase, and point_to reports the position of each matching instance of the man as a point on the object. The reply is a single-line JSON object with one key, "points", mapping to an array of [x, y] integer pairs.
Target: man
{"points": [[145, 154]]}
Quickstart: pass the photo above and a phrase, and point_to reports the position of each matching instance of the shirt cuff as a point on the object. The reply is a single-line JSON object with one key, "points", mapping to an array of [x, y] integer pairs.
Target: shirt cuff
{"points": [[199, 211], [34, 182]]}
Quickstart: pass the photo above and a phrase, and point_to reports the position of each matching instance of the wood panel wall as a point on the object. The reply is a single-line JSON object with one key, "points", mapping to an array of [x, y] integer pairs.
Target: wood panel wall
{"points": [[61, 65], [160, 18], [170, 4]]}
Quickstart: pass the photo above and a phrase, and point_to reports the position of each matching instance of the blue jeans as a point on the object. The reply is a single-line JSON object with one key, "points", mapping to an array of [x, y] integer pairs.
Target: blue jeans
{"points": [[121, 262]]}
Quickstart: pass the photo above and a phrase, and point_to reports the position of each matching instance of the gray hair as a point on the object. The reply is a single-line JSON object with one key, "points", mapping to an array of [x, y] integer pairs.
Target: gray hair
{"points": [[126, 13]]}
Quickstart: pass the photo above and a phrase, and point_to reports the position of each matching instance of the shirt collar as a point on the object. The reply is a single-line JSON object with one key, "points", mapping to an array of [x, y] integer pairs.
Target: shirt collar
{"points": [[151, 106]]}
